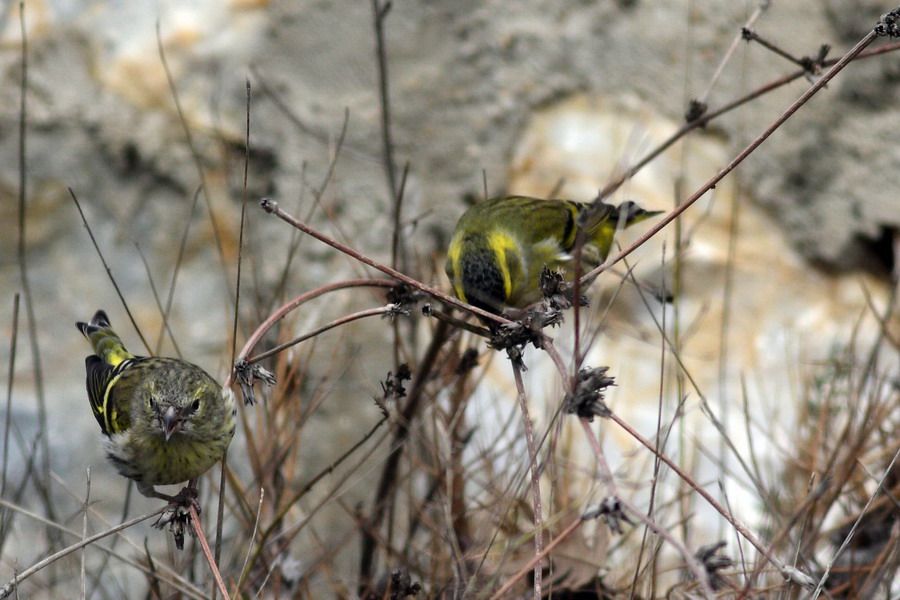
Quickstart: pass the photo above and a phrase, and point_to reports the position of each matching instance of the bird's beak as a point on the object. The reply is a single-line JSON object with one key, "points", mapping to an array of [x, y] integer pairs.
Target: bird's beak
{"points": [[170, 422]]}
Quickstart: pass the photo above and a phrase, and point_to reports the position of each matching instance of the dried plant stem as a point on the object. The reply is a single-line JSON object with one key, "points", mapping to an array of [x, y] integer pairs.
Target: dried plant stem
{"points": [[535, 477], [761, 7], [171, 577], [251, 541], [888, 471], [285, 535], [390, 472], [220, 506], [535, 560], [287, 307], [162, 311], [743, 154], [176, 269], [380, 12], [109, 271], [606, 477], [43, 483], [13, 584], [785, 570], [710, 116], [207, 553], [660, 442], [198, 163], [84, 527], [13, 341], [271, 207], [371, 312], [237, 279]]}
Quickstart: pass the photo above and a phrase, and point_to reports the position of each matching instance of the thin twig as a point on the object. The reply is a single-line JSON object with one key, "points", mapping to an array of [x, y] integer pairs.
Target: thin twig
{"points": [[198, 163], [22, 256], [887, 472], [277, 520], [606, 476], [271, 207], [13, 584], [709, 116], [398, 250], [237, 585], [220, 506], [761, 7], [204, 546], [11, 371], [162, 311], [287, 307], [651, 505], [536, 560], [237, 285], [380, 12], [182, 247], [743, 154], [785, 570], [371, 312], [535, 476], [386, 483], [109, 274], [806, 62], [84, 527]]}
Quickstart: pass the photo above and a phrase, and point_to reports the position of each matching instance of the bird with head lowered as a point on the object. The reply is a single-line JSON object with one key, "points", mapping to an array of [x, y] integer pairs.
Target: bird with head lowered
{"points": [[500, 246]]}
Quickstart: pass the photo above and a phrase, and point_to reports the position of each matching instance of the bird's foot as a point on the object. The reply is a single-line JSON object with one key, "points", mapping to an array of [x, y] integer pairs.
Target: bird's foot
{"points": [[178, 514]]}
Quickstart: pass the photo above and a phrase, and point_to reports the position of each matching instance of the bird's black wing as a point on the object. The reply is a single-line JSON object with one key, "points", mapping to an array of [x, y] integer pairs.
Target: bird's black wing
{"points": [[98, 377]]}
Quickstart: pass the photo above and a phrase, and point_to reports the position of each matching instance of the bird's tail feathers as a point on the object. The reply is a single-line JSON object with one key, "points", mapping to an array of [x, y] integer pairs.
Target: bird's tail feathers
{"points": [[106, 343]]}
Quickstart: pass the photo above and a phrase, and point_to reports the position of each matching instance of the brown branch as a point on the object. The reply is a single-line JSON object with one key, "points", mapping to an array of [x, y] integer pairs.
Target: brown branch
{"points": [[535, 476], [13, 584], [371, 312], [271, 207], [705, 118], [207, 553], [287, 307], [762, 137], [391, 467]]}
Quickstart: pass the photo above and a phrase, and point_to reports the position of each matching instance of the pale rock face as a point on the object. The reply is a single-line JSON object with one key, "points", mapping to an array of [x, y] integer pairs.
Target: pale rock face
{"points": [[784, 317], [466, 76]]}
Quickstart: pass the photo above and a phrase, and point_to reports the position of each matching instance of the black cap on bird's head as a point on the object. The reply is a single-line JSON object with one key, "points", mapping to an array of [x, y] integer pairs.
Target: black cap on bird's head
{"points": [[629, 213]]}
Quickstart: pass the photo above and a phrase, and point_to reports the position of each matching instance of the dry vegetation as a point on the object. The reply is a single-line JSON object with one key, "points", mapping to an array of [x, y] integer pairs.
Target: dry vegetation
{"points": [[444, 520]]}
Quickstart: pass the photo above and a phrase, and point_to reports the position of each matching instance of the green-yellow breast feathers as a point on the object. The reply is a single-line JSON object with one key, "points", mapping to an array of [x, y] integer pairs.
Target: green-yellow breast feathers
{"points": [[500, 246]]}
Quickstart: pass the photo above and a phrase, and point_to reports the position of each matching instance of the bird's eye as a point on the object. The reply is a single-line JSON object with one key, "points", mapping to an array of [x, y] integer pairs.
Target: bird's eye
{"points": [[195, 406]]}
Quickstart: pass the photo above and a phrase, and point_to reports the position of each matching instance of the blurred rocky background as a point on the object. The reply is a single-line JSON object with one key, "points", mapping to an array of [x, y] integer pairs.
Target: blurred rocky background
{"points": [[470, 82]]}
